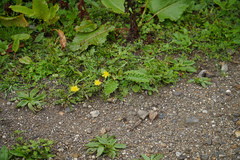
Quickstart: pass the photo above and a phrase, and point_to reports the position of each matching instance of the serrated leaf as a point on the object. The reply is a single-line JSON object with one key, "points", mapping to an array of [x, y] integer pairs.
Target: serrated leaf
{"points": [[14, 21], [41, 10], [25, 60], [86, 26], [191, 69], [82, 40], [171, 9], [100, 150], [116, 6], [22, 9], [110, 87]]}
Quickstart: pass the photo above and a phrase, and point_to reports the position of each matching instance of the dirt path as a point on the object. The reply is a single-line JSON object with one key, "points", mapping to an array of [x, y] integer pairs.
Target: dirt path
{"points": [[192, 123]]}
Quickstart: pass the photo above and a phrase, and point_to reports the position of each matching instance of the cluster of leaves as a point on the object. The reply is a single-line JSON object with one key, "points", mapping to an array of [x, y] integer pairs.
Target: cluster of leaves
{"points": [[104, 145], [31, 150]]}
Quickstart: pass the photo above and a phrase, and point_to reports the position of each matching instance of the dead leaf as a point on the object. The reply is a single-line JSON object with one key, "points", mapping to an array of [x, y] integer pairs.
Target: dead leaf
{"points": [[152, 115], [112, 100], [14, 21], [63, 40], [9, 50]]}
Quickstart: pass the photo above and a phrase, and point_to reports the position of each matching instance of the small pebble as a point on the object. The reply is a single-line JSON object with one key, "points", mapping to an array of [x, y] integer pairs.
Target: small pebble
{"points": [[95, 113]]}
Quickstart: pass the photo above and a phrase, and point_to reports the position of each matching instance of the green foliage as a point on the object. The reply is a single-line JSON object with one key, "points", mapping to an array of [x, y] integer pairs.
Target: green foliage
{"points": [[40, 10], [225, 5], [82, 40], [117, 6], [110, 87], [9, 85], [4, 155], [17, 39], [39, 149], [201, 80], [104, 145], [31, 99], [153, 157], [168, 9], [182, 64]]}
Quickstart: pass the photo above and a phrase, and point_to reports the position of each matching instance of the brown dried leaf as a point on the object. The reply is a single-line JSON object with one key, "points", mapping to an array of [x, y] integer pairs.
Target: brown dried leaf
{"points": [[152, 115], [60, 113], [63, 40], [14, 21]]}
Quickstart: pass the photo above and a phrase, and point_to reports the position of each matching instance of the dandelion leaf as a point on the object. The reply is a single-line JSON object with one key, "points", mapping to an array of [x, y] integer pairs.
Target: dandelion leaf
{"points": [[110, 87]]}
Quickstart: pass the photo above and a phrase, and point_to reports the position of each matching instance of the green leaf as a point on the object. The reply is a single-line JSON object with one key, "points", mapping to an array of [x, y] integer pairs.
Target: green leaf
{"points": [[203, 84], [117, 6], [191, 69], [158, 156], [136, 88], [20, 36], [110, 87], [41, 10], [53, 11], [14, 21], [39, 97], [17, 153], [33, 92], [91, 150], [30, 106], [145, 157], [3, 46], [119, 145], [100, 150], [22, 9], [188, 63], [92, 144], [22, 95], [86, 26], [22, 103], [4, 153], [25, 60], [39, 37], [15, 45], [171, 9], [82, 40]]}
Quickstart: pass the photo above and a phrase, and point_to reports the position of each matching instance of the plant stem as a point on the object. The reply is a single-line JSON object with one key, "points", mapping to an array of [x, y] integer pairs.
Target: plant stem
{"points": [[145, 9]]}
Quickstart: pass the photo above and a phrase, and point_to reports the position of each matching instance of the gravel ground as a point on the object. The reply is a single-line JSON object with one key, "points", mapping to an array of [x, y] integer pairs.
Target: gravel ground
{"points": [[193, 122]]}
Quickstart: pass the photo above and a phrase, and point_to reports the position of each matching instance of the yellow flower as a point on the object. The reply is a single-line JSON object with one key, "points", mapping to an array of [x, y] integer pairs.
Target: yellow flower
{"points": [[97, 82], [105, 74], [74, 88]]}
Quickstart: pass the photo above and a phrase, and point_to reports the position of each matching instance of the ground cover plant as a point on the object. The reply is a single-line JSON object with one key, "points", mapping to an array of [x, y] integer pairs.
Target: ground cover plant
{"points": [[80, 49]]}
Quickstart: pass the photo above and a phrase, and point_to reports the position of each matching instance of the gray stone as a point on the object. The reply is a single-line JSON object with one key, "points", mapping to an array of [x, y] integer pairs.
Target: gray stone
{"points": [[84, 105], [177, 93], [182, 157], [224, 67], [142, 114], [202, 73], [68, 109], [208, 141], [95, 113], [204, 157], [161, 116], [88, 130], [178, 154], [192, 120]]}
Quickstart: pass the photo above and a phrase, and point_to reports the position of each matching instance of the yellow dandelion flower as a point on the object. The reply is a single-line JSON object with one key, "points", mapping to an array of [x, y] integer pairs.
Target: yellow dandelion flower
{"points": [[97, 82], [74, 88], [105, 74]]}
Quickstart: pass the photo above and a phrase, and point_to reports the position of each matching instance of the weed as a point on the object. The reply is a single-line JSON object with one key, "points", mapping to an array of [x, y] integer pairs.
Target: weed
{"points": [[33, 101], [39, 149], [201, 80], [4, 154], [153, 157], [104, 145]]}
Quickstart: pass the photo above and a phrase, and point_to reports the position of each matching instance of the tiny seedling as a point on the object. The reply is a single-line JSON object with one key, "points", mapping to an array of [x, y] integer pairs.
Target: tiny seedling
{"points": [[33, 101], [201, 80], [104, 145]]}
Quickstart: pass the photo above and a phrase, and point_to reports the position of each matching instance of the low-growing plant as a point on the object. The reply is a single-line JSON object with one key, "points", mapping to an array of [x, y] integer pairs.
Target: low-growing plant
{"points": [[39, 149], [4, 154], [201, 80], [104, 145], [9, 85], [152, 157], [33, 101]]}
